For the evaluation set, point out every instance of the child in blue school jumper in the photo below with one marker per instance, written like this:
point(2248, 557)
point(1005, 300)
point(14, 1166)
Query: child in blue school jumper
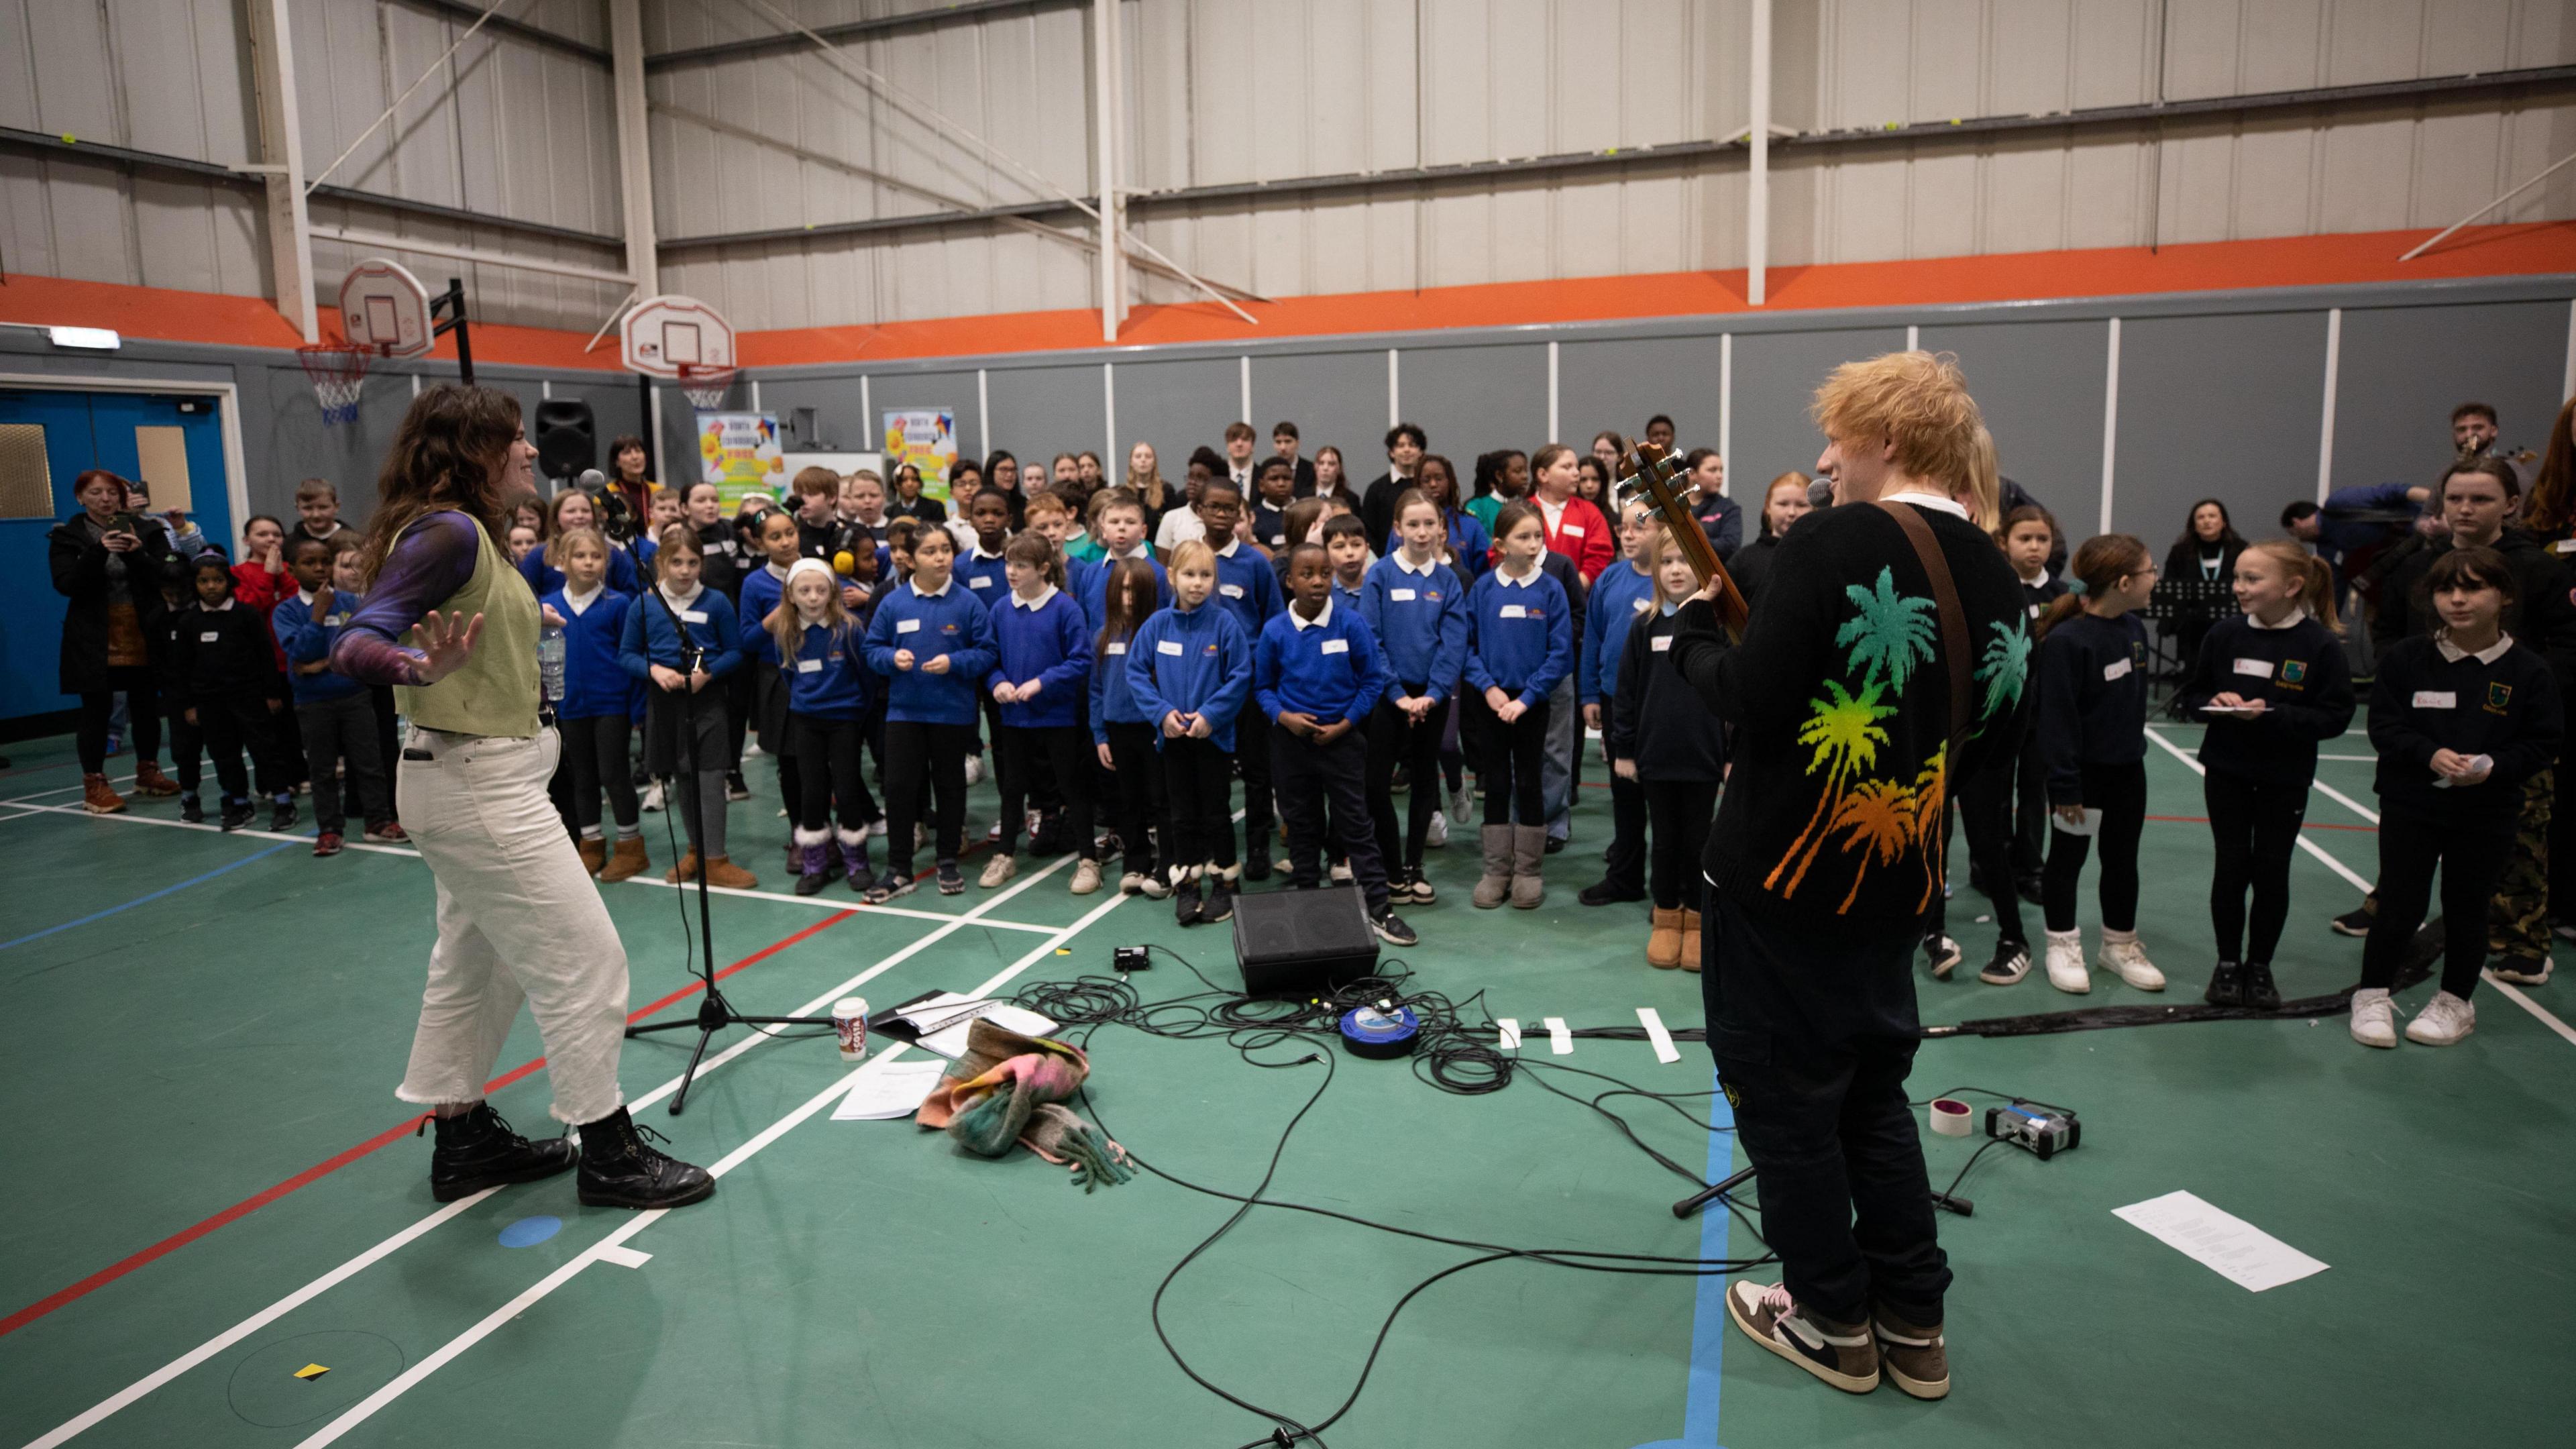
point(1520, 643)
point(1623, 593)
point(333, 711)
point(1120, 531)
point(1041, 673)
point(932, 642)
point(765, 694)
point(1190, 669)
point(684, 713)
point(829, 689)
point(1248, 588)
point(593, 719)
point(1122, 733)
point(1317, 673)
point(1417, 607)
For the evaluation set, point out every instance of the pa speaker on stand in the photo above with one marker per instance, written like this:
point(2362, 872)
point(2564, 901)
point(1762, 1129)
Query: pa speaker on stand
point(567, 439)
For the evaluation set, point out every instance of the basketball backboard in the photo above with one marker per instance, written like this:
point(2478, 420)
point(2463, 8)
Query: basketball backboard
point(675, 336)
point(385, 309)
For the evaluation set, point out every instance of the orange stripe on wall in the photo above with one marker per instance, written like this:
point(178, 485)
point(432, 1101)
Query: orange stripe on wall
point(2351, 258)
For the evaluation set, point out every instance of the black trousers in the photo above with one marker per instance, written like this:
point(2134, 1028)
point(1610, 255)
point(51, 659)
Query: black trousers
point(936, 754)
point(594, 748)
point(233, 724)
point(1625, 865)
point(336, 730)
point(1252, 761)
point(2029, 814)
point(142, 715)
point(1507, 759)
point(1135, 800)
point(769, 719)
point(187, 753)
point(1322, 796)
point(380, 702)
point(1396, 742)
point(1066, 753)
point(2472, 852)
point(1681, 811)
point(1813, 1041)
point(1198, 784)
point(831, 766)
point(2120, 793)
point(2254, 827)
point(1984, 812)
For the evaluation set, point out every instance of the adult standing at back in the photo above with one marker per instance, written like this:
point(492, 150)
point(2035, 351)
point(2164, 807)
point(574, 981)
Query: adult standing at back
point(1405, 445)
point(107, 566)
point(1890, 657)
point(518, 918)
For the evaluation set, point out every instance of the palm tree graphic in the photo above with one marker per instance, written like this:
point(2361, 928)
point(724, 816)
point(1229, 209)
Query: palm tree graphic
point(2004, 667)
point(1931, 792)
point(1890, 635)
point(1845, 735)
point(1878, 817)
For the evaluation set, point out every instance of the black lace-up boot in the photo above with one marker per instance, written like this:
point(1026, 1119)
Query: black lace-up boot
point(619, 1168)
point(477, 1149)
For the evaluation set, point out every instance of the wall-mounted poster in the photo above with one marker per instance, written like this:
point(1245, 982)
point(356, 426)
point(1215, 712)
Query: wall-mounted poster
point(740, 454)
point(927, 439)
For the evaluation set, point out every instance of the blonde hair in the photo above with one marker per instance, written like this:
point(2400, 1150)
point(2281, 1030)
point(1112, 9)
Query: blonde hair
point(563, 543)
point(1918, 401)
point(787, 622)
point(1193, 553)
point(1985, 482)
point(2314, 577)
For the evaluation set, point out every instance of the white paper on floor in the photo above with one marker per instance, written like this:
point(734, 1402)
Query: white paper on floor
point(946, 1019)
point(890, 1090)
point(2220, 1241)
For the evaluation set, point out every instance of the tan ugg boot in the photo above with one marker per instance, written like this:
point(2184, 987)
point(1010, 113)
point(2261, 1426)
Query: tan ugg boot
point(1690, 940)
point(1664, 944)
point(97, 798)
point(1529, 848)
point(721, 871)
point(626, 860)
point(594, 854)
point(148, 779)
point(1495, 886)
point(686, 870)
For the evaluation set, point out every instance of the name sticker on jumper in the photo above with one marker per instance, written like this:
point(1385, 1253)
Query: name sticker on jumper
point(1513, 611)
point(210, 636)
point(2564, 545)
point(2254, 668)
point(907, 626)
point(1572, 530)
point(2437, 699)
point(335, 620)
point(1336, 646)
point(2116, 669)
point(1169, 646)
point(981, 581)
point(1231, 591)
point(1400, 596)
point(1118, 648)
point(1661, 644)
point(809, 666)
point(693, 616)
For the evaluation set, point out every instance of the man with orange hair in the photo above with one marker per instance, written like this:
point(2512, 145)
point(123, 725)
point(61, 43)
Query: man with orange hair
point(1888, 658)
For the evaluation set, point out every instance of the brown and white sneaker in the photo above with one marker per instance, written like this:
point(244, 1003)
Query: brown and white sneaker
point(1842, 1354)
point(1914, 1357)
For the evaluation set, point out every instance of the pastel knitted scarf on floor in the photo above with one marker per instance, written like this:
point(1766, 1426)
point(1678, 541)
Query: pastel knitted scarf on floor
point(1008, 1088)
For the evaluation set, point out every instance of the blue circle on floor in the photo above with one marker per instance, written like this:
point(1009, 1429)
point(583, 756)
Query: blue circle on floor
point(528, 1232)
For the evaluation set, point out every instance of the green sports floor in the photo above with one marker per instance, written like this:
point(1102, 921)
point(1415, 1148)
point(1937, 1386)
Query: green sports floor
point(213, 1189)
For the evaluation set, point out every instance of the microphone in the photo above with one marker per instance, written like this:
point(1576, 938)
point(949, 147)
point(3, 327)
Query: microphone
point(591, 480)
point(1820, 493)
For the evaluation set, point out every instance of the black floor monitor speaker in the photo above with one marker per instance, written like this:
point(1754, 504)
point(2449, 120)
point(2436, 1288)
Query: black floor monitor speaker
point(566, 436)
point(1303, 943)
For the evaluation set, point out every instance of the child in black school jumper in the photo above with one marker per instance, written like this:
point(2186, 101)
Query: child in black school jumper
point(2273, 686)
point(1520, 643)
point(229, 687)
point(1317, 673)
point(684, 714)
point(2460, 719)
point(829, 685)
point(331, 710)
point(1664, 738)
point(1122, 734)
point(2029, 536)
point(593, 719)
point(178, 584)
point(1190, 668)
point(1041, 671)
point(2093, 734)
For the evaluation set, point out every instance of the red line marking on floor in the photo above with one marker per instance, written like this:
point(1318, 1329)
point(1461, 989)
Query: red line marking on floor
point(318, 1171)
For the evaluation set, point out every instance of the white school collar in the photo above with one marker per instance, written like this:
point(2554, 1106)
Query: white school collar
point(941, 592)
point(1231, 544)
point(1033, 605)
point(682, 601)
point(1303, 623)
point(580, 602)
point(1950, 506)
point(1503, 577)
point(1423, 572)
point(2453, 653)
point(2291, 620)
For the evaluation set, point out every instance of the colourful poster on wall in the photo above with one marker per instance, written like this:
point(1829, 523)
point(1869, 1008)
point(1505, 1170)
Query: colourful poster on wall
point(927, 439)
point(740, 453)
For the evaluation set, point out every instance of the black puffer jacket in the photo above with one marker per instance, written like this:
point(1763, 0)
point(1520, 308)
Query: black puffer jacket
point(82, 576)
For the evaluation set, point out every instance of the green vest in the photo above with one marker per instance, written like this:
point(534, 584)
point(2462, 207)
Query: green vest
point(495, 693)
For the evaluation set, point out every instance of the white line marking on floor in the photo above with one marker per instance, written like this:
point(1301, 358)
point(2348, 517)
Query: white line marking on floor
point(2339, 868)
point(245, 834)
point(819, 903)
point(624, 1257)
point(2352, 759)
point(448, 1351)
point(66, 790)
point(2346, 801)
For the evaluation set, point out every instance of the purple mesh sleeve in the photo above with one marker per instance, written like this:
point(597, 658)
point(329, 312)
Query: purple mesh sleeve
point(428, 565)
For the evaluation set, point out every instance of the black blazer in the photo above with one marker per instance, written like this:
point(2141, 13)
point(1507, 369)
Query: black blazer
point(79, 563)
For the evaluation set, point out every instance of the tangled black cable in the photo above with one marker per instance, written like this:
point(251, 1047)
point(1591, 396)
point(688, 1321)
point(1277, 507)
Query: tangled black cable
point(1454, 1055)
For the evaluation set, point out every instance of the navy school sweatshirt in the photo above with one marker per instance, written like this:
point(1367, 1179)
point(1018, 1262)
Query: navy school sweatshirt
point(1047, 641)
point(1656, 718)
point(1520, 635)
point(2505, 705)
point(829, 678)
point(651, 638)
point(2298, 671)
point(2092, 700)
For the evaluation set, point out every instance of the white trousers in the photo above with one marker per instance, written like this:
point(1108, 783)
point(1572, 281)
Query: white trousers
point(519, 921)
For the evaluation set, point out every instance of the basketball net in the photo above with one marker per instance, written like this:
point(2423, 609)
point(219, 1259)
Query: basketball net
point(705, 386)
point(338, 371)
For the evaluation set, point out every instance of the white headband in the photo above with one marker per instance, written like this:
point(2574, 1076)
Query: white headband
point(803, 564)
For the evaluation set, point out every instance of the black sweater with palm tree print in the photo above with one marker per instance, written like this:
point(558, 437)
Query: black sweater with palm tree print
point(1834, 820)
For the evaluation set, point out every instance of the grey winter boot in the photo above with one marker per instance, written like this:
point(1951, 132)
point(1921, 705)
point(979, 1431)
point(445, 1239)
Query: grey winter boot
point(1496, 884)
point(1529, 847)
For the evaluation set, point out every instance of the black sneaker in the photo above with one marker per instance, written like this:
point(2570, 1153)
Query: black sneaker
point(1391, 929)
point(2011, 964)
point(2522, 970)
point(237, 814)
point(191, 809)
point(478, 1149)
point(620, 1169)
point(283, 817)
point(1607, 892)
point(1220, 902)
point(2029, 888)
point(2226, 985)
point(1256, 866)
point(1186, 903)
point(1941, 954)
point(736, 788)
point(2260, 993)
point(2355, 922)
point(1555, 843)
point(889, 885)
point(952, 881)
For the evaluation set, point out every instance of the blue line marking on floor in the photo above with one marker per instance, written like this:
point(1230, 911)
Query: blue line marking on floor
point(1708, 1310)
point(145, 899)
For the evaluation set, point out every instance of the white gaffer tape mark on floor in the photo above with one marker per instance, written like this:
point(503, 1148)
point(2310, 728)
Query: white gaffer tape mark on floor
point(1653, 1022)
point(1560, 1039)
point(1509, 1030)
point(623, 1257)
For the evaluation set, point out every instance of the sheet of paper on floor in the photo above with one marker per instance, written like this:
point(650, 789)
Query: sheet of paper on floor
point(2221, 1241)
point(893, 1089)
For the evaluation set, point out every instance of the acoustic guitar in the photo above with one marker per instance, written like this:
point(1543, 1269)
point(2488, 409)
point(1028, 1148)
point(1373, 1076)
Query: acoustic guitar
point(1651, 475)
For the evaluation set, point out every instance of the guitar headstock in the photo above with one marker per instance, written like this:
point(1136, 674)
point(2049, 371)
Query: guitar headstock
point(1652, 475)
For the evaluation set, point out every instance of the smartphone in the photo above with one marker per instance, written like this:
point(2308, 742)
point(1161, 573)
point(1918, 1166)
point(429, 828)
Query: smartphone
point(126, 523)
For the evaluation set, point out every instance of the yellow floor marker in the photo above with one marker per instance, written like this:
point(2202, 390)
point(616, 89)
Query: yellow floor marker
point(311, 1371)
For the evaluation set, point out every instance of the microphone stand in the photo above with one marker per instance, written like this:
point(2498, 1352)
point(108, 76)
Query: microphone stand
point(714, 1012)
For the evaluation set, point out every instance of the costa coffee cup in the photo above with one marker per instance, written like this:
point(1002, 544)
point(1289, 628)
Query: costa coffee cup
point(850, 1024)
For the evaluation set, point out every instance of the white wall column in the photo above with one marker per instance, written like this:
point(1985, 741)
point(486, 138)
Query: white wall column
point(281, 150)
point(634, 143)
point(1105, 112)
point(1757, 185)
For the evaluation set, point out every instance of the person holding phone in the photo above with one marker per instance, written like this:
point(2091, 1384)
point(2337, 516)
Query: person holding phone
point(107, 564)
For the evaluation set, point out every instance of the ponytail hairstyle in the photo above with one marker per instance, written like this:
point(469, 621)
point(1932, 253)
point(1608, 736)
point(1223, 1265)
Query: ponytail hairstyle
point(1985, 482)
point(1128, 601)
point(1036, 551)
point(2103, 561)
point(786, 623)
point(2313, 575)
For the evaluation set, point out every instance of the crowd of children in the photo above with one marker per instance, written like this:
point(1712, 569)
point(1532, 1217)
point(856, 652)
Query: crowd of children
point(1332, 647)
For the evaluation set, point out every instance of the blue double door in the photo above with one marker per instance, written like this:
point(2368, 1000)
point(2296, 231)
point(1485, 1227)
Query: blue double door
point(81, 431)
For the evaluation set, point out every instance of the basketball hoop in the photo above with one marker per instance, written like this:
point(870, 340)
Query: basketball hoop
point(706, 386)
point(338, 371)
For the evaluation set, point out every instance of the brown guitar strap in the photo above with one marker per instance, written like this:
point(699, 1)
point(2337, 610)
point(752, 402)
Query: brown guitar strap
point(1955, 643)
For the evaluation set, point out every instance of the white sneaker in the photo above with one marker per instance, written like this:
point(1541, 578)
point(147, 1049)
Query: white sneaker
point(1086, 877)
point(2123, 955)
point(1941, 954)
point(1438, 836)
point(1342, 873)
point(974, 769)
point(2066, 969)
point(2373, 1019)
point(1462, 806)
point(1002, 867)
point(1153, 886)
point(2443, 1021)
point(1131, 883)
point(652, 796)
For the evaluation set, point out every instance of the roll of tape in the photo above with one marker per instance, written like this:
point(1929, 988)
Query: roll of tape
point(1951, 1117)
